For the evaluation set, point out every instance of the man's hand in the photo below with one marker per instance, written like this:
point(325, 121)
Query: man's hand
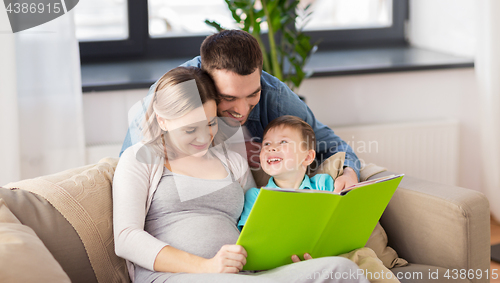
point(295, 258)
point(229, 259)
point(347, 179)
point(253, 153)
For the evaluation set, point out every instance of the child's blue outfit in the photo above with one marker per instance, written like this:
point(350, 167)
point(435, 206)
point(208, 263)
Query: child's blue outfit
point(321, 182)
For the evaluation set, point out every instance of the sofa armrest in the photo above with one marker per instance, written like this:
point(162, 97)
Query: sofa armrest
point(440, 225)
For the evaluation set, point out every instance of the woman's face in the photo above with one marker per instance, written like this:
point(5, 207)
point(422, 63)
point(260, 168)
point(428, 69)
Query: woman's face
point(192, 134)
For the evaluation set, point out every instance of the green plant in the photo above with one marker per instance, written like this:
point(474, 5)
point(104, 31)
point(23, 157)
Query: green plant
point(289, 46)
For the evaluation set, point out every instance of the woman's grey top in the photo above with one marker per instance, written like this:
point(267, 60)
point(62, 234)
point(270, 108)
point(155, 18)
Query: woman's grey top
point(195, 215)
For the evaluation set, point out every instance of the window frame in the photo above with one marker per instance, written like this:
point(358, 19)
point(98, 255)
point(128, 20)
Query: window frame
point(133, 46)
point(140, 45)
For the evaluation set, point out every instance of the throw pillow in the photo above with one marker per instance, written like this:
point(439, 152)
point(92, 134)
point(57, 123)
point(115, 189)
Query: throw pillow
point(54, 230)
point(23, 256)
point(83, 196)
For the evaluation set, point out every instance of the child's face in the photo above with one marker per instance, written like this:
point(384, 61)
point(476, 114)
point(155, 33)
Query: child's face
point(284, 152)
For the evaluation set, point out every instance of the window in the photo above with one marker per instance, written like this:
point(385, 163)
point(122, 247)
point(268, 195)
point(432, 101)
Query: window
point(173, 28)
point(349, 14)
point(98, 20)
point(169, 18)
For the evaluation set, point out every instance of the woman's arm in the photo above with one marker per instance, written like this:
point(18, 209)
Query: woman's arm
point(131, 183)
point(229, 259)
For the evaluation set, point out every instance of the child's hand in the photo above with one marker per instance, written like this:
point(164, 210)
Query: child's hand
point(295, 258)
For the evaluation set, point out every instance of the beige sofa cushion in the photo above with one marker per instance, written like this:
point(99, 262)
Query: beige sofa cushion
point(83, 196)
point(23, 256)
point(54, 230)
point(449, 225)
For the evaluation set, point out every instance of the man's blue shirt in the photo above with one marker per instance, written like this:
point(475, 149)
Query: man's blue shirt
point(276, 100)
point(321, 182)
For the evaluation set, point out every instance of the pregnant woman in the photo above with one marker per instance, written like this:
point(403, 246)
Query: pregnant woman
point(178, 194)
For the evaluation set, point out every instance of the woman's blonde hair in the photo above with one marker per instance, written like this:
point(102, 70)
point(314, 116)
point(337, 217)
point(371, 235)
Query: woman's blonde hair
point(175, 95)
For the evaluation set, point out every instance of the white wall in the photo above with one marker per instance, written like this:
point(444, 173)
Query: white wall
point(105, 115)
point(488, 73)
point(105, 120)
point(444, 25)
point(405, 97)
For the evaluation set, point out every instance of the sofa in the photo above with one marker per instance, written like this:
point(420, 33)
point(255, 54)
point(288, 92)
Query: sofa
point(438, 229)
point(58, 228)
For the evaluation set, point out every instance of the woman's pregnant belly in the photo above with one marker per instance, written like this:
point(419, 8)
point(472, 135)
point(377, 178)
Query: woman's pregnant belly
point(199, 234)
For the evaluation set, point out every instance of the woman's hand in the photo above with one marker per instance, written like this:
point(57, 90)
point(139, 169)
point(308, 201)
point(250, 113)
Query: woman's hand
point(295, 258)
point(229, 259)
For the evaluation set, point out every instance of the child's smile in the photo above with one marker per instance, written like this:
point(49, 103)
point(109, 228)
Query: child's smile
point(274, 160)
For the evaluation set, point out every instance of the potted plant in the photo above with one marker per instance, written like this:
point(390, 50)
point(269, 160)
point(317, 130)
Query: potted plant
point(289, 47)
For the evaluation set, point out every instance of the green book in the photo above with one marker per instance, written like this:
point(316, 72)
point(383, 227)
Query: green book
point(285, 222)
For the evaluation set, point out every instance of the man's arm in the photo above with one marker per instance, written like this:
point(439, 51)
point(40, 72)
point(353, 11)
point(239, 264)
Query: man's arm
point(130, 192)
point(136, 115)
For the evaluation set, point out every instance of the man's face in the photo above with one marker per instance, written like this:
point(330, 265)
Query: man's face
point(239, 94)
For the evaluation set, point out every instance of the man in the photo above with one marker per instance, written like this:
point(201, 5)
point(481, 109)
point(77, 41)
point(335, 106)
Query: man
point(253, 98)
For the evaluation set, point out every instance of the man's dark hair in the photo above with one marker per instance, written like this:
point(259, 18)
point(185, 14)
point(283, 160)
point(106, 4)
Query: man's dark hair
point(296, 123)
point(233, 50)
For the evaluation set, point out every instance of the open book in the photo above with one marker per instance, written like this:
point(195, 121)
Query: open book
point(285, 222)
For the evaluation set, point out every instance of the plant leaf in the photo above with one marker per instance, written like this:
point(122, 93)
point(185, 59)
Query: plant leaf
point(215, 25)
